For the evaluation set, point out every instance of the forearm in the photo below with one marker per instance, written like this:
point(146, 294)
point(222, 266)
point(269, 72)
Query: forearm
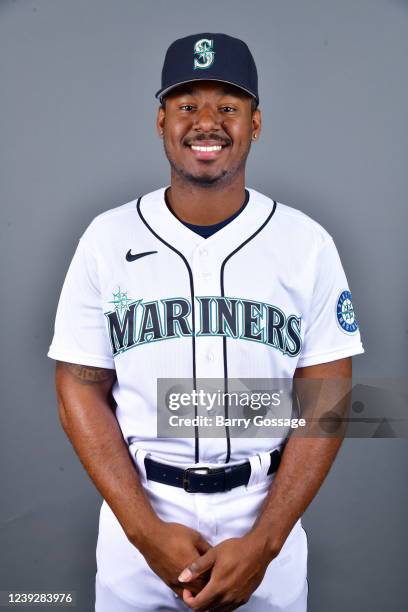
point(304, 466)
point(323, 391)
point(91, 426)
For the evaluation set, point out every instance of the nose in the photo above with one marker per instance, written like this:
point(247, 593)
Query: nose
point(206, 119)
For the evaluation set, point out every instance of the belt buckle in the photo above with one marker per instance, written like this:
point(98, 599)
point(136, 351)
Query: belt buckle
point(193, 470)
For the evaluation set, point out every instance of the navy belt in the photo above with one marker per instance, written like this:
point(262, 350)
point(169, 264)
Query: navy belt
point(203, 479)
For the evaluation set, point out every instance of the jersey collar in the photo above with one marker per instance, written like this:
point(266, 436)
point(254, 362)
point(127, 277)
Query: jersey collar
point(161, 221)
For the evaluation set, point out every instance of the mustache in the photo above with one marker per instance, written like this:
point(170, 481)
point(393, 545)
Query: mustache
point(204, 137)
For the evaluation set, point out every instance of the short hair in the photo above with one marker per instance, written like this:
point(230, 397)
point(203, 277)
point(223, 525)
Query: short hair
point(254, 104)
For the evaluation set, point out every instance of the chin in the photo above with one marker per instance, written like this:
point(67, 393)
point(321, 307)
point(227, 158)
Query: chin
point(204, 180)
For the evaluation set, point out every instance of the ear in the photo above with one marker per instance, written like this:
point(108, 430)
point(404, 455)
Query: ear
point(256, 123)
point(161, 113)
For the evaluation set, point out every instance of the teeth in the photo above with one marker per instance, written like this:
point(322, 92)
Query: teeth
point(214, 148)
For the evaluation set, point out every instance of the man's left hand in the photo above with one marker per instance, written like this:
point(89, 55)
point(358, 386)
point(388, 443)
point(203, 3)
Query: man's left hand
point(237, 567)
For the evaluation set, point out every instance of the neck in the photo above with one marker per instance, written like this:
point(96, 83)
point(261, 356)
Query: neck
point(205, 205)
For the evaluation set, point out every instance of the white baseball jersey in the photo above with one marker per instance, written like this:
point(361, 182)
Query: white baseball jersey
point(152, 299)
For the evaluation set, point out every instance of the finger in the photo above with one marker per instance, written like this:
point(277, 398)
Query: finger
point(203, 546)
point(205, 598)
point(188, 596)
point(198, 566)
point(195, 586)
point(178, 592)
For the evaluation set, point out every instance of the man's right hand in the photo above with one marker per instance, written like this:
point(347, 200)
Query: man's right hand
point(170, 549)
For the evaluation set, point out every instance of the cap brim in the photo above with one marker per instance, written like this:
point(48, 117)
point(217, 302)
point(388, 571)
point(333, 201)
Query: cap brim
point(162, 92)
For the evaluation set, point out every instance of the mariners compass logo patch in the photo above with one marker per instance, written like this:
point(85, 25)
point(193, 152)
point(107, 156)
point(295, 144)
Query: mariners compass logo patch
point(345, 313)
point(203, 53)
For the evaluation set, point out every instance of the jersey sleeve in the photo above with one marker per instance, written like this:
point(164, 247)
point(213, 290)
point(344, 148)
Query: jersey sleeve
point(331, 326)
point(80, 334)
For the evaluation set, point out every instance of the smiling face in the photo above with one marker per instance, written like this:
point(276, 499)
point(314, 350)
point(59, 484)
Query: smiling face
point(207, 129)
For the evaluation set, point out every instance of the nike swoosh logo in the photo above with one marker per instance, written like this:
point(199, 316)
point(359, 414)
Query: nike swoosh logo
point(130, 257)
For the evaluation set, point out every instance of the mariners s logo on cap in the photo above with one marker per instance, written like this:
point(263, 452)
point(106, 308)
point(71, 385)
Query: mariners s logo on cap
point(203, 53)
point(345, 313)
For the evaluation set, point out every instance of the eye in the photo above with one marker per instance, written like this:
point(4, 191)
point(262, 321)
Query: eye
point(186, 107)
point(228, 109)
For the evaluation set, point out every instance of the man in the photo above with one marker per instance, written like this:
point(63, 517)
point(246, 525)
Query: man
point(245, 288)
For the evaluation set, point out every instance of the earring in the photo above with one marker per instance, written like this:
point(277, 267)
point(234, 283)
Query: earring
point(254, 136)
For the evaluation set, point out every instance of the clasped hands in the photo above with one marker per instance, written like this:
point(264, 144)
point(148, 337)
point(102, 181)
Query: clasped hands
point(219, 578)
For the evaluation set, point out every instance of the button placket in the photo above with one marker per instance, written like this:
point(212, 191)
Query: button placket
point(209, 357)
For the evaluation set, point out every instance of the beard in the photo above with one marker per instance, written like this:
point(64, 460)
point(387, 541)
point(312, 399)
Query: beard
point(207, 180)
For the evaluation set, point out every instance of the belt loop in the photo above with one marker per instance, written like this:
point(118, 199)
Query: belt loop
point(265, 460)
point(139, 455)
point(260, 465)
point(255, 470)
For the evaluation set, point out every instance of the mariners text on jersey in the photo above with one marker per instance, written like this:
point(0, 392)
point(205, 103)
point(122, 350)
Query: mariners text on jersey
point(256, 300)
point(134, 323)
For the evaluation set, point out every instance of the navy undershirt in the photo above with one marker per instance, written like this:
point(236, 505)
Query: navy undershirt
point(208, 230)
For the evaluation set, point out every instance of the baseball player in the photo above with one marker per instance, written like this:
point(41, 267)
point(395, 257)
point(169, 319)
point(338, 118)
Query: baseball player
point(204, 279)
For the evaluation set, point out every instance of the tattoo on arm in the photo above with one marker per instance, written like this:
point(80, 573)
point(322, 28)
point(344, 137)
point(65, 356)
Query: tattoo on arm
point(88, 374)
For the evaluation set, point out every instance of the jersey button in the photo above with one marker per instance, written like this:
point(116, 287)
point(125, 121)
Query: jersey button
point(205, 275)
point(203, 252)
point(211, 357)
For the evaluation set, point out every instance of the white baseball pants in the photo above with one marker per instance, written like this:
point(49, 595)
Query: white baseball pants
point(125, 583)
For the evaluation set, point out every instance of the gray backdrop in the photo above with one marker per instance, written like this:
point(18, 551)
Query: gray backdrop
point(77, 137)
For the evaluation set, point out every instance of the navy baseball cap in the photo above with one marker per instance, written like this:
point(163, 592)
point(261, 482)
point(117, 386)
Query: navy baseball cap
point(209, 57)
